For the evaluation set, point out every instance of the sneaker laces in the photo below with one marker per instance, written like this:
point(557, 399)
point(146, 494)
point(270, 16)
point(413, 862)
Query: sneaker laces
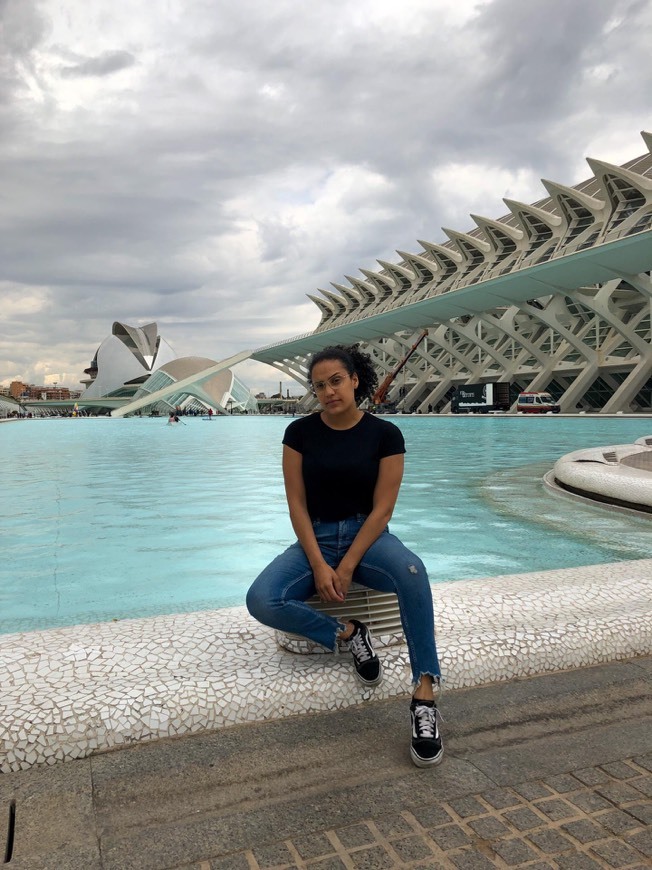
point(359, 648)
point(426, 719)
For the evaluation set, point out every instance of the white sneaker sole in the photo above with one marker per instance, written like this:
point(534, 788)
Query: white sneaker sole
point(370, 682)
point(427, 762)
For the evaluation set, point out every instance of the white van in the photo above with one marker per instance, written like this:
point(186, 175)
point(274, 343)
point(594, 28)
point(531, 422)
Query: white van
point(536, 403)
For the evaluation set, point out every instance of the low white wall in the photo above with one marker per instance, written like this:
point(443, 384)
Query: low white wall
point(70, 692)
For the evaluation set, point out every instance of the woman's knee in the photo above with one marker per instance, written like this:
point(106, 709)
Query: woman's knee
point(407, 563)
point(258, 603)
point(415, 566)
point(394, 556)
point(269, 594)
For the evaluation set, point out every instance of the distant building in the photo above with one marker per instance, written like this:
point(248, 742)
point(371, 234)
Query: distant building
point(52, 393)
point(10, 407)
point(17, 388)
point(135, 362)
point(224, 392)
point(124, 360)
point(551, 296)
point(49, 392)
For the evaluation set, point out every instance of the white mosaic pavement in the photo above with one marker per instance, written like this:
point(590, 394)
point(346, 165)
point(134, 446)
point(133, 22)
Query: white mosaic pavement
point(68, 693)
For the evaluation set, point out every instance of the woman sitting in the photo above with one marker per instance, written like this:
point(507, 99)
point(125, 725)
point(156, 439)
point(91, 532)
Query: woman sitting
point(343, 469)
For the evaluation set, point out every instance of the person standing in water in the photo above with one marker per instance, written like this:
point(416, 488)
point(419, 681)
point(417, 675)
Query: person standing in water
point(342, 469)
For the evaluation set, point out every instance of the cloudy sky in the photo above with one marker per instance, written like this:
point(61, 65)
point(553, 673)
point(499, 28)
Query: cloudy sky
point(205, 163)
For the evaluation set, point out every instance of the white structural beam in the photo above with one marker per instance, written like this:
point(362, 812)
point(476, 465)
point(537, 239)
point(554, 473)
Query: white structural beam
point(631, 254)
point(191, 385)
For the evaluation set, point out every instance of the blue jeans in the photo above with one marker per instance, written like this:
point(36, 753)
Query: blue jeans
point(277, 597)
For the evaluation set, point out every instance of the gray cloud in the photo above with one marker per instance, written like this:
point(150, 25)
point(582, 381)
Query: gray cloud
point(255, 153)
point(23, 27)
point(103, 65)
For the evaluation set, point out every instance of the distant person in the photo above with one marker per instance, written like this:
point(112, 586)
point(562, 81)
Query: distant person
point(173, 418)
point(343, 469)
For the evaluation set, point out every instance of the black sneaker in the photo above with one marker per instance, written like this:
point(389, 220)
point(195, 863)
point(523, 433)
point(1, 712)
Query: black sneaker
point(367, 664)
point(426, 748)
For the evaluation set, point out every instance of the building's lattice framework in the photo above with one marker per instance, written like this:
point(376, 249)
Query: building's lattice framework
point(505, 317)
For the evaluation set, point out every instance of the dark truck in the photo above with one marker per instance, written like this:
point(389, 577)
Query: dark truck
point(480, 398)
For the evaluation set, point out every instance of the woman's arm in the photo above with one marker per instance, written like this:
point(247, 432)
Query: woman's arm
point(390, 475)
point(326, 582)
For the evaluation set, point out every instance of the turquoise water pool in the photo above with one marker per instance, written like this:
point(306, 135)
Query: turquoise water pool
point(106, 519)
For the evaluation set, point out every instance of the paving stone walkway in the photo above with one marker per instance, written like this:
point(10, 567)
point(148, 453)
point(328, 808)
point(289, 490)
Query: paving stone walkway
point(548, 773)
point(595, 817)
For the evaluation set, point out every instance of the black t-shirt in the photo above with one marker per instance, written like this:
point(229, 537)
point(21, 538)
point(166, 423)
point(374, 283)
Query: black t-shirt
point(340, 467)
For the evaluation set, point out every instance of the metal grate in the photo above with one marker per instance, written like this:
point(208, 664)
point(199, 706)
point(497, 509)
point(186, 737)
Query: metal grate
point(378, 610)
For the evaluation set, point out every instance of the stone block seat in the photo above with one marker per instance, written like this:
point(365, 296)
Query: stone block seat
point(378, 610)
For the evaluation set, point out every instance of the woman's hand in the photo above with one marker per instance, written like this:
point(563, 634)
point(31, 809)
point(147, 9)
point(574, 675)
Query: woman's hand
point(327, 583)
point(344, 579)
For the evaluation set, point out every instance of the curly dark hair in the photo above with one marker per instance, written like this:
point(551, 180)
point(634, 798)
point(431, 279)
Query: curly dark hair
point(356, 362)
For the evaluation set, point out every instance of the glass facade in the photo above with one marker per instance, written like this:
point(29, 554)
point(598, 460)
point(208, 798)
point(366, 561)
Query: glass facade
point(236, 397)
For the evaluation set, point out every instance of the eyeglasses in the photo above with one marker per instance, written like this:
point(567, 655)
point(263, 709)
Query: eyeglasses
point(334, 381)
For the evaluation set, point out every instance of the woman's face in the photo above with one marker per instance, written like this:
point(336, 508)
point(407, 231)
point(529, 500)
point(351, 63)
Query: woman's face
point(334, 386)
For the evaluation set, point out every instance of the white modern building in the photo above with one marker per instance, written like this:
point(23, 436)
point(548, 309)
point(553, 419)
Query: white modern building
point(9, 407)
point(222, 392)
point(124, 359)
point(136, 370)
point(554, 295)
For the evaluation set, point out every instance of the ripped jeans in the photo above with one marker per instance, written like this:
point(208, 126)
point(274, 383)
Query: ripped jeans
point(277, 597)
